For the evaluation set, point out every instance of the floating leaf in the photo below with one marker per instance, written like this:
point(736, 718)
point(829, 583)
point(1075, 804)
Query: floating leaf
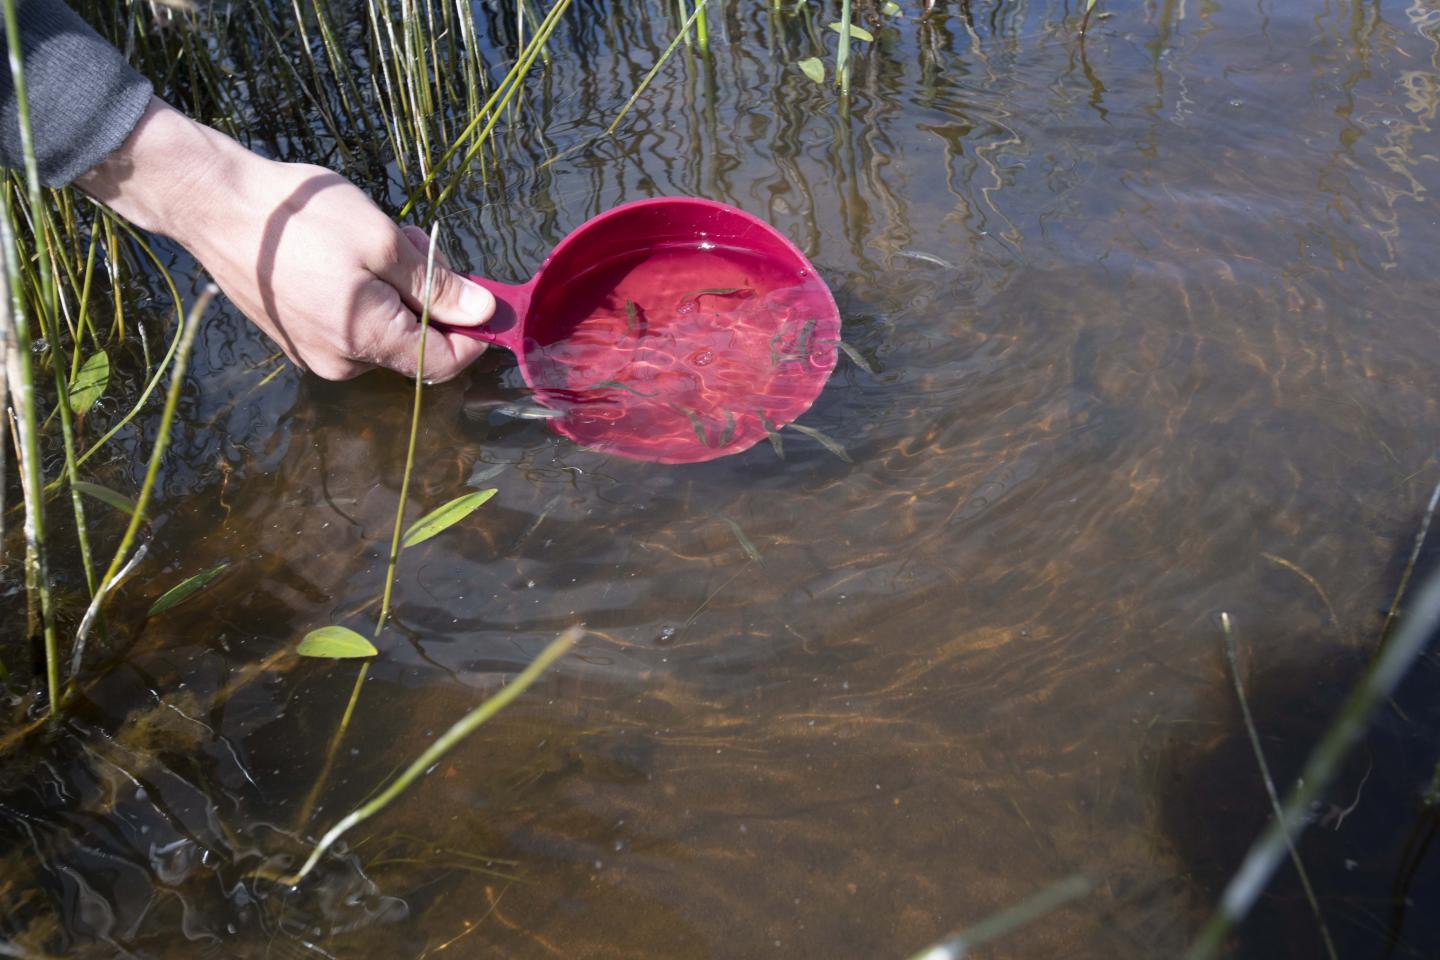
point(825, 440)
point(812, 68)
point(632, 316)
point(335, 643)
point(105, 495)
point(891, 8)
point(859, 33)
point(442, 517)
point(185, 589)
point(89, 383)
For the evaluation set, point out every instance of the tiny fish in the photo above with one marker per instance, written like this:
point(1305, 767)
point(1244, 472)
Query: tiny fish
point(927, 258)
point(525, 412)
point(803, 343)
point(856, 357)
point(729, 433)
point(632, 316)
point(826, 441)
point(715, 292)
point(483, 471)
point(617, 385)
point(745, 543)
point(775, 355)
point(772, 435)
point(699, 427)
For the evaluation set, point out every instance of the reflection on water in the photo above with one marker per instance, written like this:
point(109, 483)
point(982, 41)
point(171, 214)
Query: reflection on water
point(1143, 317)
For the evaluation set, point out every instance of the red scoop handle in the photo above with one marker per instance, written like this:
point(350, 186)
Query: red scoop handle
point(507, 327)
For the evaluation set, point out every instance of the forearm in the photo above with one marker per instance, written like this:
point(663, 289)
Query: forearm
point(170, 174)
point(84, 99)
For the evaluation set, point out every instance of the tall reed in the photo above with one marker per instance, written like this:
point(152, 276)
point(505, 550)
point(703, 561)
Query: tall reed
point(37, 579)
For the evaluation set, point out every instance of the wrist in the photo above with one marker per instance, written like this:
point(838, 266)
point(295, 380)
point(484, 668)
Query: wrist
point(170, 174)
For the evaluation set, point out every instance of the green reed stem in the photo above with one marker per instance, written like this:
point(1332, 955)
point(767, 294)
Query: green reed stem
point(1270, 791)
point(702, 30)
point(175, 341)
point(685, 20)
point(414, 433)
point(842, 54)
point(645, 82)
point(333, 750)
point(1269, 848)
point(162, 432)
point(36, 572)
point(458, 732)
point(1012, 918)
point(493, 109)
point(1410, 565)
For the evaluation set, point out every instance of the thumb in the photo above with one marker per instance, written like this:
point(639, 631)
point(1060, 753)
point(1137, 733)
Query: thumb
point(453, 299)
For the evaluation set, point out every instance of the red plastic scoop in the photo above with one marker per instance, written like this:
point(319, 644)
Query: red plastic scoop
point(674, 330)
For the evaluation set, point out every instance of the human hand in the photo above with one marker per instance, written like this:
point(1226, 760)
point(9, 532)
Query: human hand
point(299, 249)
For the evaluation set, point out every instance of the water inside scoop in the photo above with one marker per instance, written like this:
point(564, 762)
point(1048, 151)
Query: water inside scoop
point(682, 353)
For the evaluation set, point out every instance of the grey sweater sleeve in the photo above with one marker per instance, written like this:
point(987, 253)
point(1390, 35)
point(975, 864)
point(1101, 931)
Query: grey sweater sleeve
point(84, 98)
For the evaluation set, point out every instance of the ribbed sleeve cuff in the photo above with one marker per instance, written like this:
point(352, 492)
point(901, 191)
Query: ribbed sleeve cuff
point(84, 98)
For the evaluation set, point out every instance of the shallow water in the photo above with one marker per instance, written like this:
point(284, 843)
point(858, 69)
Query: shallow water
point(1153, 336)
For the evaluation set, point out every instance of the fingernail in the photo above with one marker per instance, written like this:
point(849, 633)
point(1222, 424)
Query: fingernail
point(476, 302)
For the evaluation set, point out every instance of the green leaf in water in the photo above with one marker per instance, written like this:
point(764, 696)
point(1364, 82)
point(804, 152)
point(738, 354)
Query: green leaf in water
point(441, 518)
point(891, 8)
point(812, 68)
point(825, 440)
point(335, 643)
point(185, 589)
point(105, 495)
point(632, 316)
point(89, 383)
point(859, 33)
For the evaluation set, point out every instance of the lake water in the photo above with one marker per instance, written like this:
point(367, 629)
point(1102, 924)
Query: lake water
point(1153, 331)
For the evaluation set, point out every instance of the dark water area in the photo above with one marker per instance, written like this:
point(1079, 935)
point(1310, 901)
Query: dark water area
point(1153, 335)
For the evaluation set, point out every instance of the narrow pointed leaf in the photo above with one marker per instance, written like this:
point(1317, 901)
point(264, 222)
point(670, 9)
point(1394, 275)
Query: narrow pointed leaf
point(185, 589)
point(335, 643)
point(89, 383)
point(443, 517)
point(859, 33)
point(105, 495)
